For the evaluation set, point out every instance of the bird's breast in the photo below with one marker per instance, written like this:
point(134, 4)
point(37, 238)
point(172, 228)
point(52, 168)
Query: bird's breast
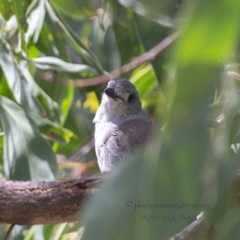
point(104, 131)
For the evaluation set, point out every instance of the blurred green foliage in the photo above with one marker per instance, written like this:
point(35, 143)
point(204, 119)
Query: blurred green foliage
point(191, 89)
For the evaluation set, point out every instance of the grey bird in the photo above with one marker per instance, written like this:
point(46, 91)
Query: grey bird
point(121, 125)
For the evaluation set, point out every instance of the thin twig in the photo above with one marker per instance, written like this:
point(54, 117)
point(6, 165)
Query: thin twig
point(145, 57)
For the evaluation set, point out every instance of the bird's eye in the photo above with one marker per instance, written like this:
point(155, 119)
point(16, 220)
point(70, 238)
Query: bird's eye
point(130, 97)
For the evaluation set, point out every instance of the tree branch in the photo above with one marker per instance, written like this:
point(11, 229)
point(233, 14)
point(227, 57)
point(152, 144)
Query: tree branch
point(28, 203)
point(137, 61)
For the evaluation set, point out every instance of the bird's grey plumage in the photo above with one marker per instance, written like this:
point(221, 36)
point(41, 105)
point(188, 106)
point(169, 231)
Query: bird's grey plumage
point(121, 125)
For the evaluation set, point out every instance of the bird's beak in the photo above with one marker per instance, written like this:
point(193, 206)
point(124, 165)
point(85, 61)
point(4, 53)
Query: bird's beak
point(110, 92)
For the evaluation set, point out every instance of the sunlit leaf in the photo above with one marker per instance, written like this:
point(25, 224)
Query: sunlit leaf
point(35, 19)
point(53, 63)
point(64, 95)
point(145, 81)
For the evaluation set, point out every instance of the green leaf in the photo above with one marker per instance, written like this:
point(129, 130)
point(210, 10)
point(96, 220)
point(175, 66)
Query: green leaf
point(75, 9)
point(64, 95)
point(51, 130)
point(5, 9)
point(53, 63)
point(17, 81)
point(144, 79)
point(45, 43)
point(35, 20)
point(208, 25)
point(19, 9)
point(107, 51)
point(27, 155)
point(24, 89)
point(57, 25)
point(158, 33)
point(125, 23)
point(61, 94)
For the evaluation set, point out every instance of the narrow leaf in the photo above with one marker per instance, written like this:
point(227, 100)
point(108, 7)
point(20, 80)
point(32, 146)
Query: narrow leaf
point(27, 155)
point(53, 63)
point(35, 20)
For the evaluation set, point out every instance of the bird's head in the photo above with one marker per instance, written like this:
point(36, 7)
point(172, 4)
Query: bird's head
point(121, 98)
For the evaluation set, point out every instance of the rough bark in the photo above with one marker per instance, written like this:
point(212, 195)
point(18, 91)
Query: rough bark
point(27, 203)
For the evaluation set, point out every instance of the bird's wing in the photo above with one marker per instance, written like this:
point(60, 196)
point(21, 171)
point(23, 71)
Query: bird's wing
point(135, 133)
